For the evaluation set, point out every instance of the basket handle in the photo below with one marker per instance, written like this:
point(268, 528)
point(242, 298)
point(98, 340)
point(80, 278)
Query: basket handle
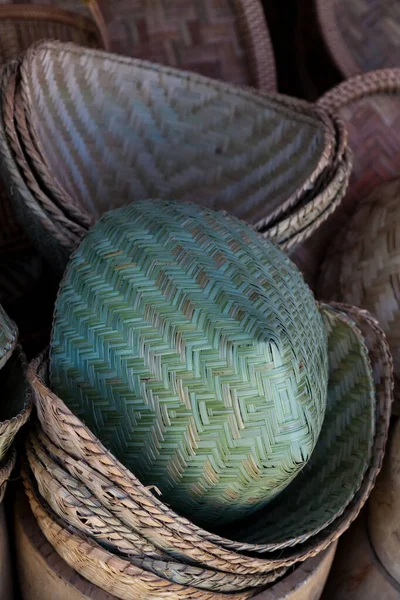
point(102, 17)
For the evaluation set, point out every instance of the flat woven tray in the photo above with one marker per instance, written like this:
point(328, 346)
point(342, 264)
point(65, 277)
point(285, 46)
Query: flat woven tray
point(361, 35)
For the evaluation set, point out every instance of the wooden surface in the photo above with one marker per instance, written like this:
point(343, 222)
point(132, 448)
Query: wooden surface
point(43, 575)
point(6, 588)
point(306, 582)
point(356, 572)
point(384, 510)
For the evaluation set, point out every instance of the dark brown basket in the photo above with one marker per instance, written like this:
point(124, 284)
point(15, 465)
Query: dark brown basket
point(361, 35)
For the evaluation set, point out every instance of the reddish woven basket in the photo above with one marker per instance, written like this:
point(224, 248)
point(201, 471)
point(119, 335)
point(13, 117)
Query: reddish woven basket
point(369, 106)
point(224, 39)
point(361, 35)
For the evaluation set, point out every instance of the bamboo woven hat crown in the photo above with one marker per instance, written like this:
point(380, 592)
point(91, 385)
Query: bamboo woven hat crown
point(196, 352)
point(363, 262)
point(158, 133)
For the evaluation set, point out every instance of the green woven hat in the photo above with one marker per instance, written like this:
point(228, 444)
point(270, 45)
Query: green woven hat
point(196, 353)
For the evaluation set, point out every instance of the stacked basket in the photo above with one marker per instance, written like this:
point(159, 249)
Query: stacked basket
point(113, 529)
point(282, 165)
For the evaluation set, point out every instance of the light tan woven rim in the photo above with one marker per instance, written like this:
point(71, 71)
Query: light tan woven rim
point(380, 82)
point(333, 38)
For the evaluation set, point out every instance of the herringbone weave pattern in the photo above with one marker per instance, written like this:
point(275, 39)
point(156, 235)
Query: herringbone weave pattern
point(189, 139)
point(195, 352)
point(364, 261)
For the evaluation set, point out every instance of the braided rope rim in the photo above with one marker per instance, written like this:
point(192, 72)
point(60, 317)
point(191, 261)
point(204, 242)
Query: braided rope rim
point(112, 573)
point(20, 400)
point(73, 503)
point(382, 81)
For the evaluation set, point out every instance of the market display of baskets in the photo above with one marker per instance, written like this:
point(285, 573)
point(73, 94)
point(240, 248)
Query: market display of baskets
point(195, 423)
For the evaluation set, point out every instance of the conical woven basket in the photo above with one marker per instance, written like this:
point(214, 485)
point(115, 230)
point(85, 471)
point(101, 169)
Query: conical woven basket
point(94, 467)
point(361, 35)
point(275, 151)
point(361, 266)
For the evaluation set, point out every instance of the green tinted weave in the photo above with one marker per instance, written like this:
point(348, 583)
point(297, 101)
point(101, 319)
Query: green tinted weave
point(196, 353)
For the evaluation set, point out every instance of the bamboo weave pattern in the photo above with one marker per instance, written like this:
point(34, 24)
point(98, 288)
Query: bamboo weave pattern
point(202, 371)
point(189, 138)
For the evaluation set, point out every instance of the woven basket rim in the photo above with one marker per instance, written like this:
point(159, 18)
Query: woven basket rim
point(292, 231)
point(66, 536)
point(356, 88)
point(255, 35)
point(202, 536)
point(333, 38)
point(299, 111)
point(45, 13)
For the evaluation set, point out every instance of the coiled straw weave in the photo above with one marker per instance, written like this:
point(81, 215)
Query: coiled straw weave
point(218, 355)
point(117, 490)
point(189, 139)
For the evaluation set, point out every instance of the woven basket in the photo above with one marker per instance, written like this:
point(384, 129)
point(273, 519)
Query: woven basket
point(6, 468)
point(361, 35)
point(257, 174)
point(369, 107)
point(228, 40)
point(362, 267)
point(165, 529)
point(189, 405)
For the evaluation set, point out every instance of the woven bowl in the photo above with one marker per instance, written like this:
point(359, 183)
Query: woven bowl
point(97, 469)
point(6, 468)
point(361, 35)
point(363, 263)
point(275, 153)
point(201, 398)
point(369, 107)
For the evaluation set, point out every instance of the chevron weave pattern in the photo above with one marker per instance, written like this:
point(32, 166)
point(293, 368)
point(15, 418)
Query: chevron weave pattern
point(189, 138)
point(365, 262)
point(8, 336)
point(195, 352)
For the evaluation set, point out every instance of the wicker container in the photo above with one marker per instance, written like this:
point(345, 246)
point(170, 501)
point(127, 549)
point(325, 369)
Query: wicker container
point(283, 150)
point(356, 572)
point(384, 509)
point(362, 265)
point(43, 575)
point(80, 457)
point(361, 35)
point(369, 107)
point(227, 40)
point(6, 582)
